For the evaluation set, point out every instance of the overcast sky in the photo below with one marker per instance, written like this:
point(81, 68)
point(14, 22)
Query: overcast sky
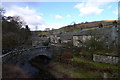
point(58, 14)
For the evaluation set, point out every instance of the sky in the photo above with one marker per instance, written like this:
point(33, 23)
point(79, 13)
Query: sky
point(41, 15)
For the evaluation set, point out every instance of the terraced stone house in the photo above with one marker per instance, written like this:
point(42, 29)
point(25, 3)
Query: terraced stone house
point(108, 35)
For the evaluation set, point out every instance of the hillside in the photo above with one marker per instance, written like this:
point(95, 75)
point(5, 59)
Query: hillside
point(78, 27)
point(86, 25)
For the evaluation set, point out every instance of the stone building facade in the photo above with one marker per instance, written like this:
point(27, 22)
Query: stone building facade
point(66, 37)
point(54, 38)
point(61, 37)
point(37, 41)
point(108, 35)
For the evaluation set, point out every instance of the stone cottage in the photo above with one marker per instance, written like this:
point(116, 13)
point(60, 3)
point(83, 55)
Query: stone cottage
point(61, 37)
point(55, 38)
point(66, 37)
point(108, 35)
point(37, 41)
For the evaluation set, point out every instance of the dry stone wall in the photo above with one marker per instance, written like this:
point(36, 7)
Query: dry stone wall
point(105, 59)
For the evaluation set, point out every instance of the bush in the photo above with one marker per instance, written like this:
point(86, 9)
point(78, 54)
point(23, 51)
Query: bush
point(45, 43)
point(95, 43)
point(9, 41)
point(107, 70)
point(66, 56)
point(28, 42)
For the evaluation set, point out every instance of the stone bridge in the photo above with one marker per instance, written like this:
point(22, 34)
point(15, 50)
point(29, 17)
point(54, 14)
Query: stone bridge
point(24, 55)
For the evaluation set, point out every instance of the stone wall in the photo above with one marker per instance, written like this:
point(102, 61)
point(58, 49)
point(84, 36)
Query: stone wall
point(80, 40)
point(54, 39)
point(108, 35)
point(38, 40)
point(105, 59)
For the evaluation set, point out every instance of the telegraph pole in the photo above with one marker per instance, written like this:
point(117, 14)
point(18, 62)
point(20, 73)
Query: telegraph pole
point(36, 28)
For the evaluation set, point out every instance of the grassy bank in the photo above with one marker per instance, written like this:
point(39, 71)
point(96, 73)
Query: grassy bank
point(80, 68)
point(95, 64)
point(65, 71)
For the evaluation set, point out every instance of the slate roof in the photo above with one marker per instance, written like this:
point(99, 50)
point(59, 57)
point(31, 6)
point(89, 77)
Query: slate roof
point(66, 36)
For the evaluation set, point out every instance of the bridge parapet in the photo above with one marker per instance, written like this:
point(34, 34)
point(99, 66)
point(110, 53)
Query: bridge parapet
point(14, 54)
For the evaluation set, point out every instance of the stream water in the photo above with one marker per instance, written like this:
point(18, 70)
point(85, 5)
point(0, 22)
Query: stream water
point(35, 72)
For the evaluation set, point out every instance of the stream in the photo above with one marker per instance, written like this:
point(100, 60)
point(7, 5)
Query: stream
point(34, 71)
point(22, 63)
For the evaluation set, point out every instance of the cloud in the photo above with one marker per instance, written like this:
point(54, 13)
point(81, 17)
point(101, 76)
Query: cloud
point(54, 0)
point(56, 25)
point(58, 17)
point(88, 9)
point(68, 16)
point(47, 25)
point(30, 16)
point(104, 1)
point(109, 6)
point(116, 12)
point(92, 7)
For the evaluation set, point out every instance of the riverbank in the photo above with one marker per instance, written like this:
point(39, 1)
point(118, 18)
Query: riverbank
point(69, 66)
point(11, 70)
point(43, 70)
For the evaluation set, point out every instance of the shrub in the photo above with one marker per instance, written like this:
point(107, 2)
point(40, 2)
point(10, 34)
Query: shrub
point(95, 43)
point(45, 43)
point(29, 42)
point(107, 69)
point(66, 56)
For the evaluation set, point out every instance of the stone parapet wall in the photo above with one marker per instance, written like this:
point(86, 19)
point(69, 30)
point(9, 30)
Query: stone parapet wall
point(105, 59)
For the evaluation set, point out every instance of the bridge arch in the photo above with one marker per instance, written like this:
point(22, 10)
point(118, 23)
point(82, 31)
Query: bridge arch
point(41, 59)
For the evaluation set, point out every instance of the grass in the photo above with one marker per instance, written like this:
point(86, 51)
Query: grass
point(78, 29)
point(108, 26)
point(72, 73)
point(88, 70)
point(42, 33)
point(96, 64)
point(104, 53)
point(90, 28)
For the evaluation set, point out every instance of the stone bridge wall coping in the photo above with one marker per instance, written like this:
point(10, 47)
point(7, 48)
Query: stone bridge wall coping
point(106, 59)
point(8, 55)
